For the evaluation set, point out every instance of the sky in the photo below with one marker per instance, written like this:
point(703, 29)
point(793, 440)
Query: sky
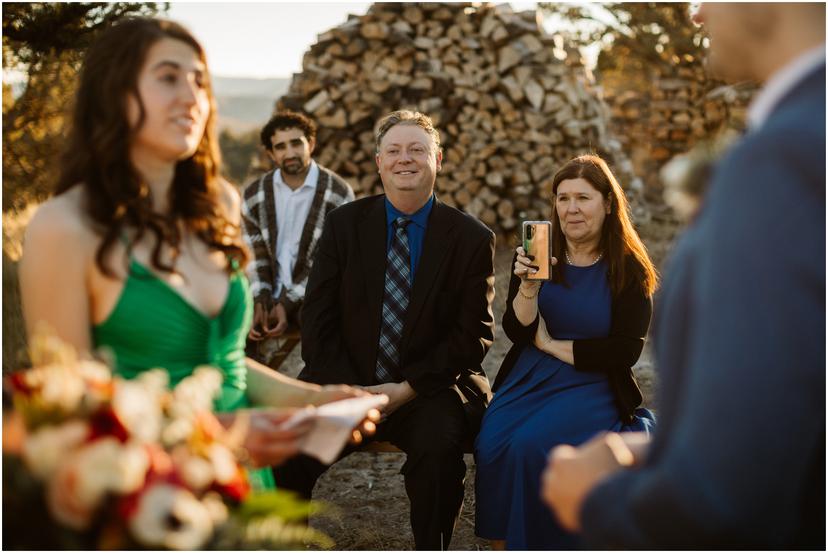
point(261, 40)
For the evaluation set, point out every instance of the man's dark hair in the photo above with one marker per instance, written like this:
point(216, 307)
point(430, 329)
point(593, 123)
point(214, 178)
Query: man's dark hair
point(288, 120)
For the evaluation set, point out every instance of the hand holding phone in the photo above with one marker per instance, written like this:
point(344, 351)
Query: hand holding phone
point(537, 244)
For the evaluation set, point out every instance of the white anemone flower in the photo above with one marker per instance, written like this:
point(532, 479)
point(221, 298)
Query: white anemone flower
point(171, 517)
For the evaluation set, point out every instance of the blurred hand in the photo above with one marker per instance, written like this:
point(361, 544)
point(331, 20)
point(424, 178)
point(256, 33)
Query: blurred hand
point(276, 322)
point(265, 442)
point(525, 266)
point(256, 333)
point(367, 427)
point(337, 392)
point(572, 473)
point(399, 393)
point(638, 443)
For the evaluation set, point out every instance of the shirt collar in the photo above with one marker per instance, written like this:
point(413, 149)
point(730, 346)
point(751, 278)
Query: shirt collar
point(782, 82)
point(419, 217)
point(310, 180)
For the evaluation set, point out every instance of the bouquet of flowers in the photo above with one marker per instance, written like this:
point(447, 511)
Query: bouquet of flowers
point(95, 461)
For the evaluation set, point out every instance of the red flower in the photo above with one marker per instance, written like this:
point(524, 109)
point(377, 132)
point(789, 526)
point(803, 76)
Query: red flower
point(17, 381)
point(236, 490)
point(161, 470)
point(106, 423)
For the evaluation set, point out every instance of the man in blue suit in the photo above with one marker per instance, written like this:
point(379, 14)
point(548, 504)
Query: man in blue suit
point(738, 459)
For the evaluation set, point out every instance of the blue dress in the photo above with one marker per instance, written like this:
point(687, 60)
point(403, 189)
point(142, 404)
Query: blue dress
point(542, 403)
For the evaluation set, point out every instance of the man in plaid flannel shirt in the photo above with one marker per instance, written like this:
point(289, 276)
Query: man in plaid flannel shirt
point(283, 212)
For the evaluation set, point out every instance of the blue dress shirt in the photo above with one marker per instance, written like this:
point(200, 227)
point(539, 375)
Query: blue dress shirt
point(416, 230)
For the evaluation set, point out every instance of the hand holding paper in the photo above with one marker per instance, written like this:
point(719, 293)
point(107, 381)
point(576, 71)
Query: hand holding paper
point(333, 424)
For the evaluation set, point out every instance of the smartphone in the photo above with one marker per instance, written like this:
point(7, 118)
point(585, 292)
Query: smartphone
point(537, 243)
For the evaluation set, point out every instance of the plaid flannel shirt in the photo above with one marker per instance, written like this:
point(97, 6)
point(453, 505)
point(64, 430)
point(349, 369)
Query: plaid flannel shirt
point(261, 229)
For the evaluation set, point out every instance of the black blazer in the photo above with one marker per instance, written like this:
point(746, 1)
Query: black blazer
point(615, 354)
point(449, 325)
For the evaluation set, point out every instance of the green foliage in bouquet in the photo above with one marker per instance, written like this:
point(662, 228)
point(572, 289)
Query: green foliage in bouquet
point(96, 462)
point(271, 520)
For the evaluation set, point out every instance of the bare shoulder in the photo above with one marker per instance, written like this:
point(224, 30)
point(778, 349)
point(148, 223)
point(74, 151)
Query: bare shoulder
point(230, 200)
point(62, 219)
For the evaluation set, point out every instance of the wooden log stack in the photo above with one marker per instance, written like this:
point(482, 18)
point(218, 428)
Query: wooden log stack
point(678, 106)
point(511, 104)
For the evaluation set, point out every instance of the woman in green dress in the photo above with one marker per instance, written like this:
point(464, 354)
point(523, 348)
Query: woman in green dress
point(139, 255)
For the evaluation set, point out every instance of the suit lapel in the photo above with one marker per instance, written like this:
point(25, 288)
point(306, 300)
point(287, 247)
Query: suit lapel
point(435, 246)
point(371, 233)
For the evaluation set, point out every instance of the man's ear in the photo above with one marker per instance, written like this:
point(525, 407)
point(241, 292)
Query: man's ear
point(439, 159)
point(377, 159)
point(311, 145)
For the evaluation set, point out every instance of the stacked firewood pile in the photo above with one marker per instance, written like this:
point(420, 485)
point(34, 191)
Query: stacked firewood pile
point(681, 107)
point(510, 101)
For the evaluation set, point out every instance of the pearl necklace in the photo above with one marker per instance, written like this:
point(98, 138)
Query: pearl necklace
point(569, 261)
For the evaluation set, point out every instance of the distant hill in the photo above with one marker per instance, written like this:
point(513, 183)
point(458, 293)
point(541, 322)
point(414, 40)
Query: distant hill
point(245, 104)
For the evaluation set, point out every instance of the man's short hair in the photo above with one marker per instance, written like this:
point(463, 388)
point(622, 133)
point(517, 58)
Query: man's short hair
point(284, 120)
point(406, 117)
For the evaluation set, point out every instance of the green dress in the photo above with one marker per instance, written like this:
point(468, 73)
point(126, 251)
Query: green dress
point(152, 325)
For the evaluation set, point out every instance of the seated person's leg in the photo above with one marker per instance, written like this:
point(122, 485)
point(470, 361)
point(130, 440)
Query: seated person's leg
point(272, 351)
point(299, 474)
point(294, 314)
point(431, 431)
point(253, 351)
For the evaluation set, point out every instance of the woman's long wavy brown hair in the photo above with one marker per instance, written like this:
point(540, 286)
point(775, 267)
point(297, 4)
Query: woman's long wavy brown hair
point(97, 155)
point(618, 236)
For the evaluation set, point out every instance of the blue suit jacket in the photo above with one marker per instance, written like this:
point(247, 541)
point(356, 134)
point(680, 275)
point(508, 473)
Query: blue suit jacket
point(739, 455)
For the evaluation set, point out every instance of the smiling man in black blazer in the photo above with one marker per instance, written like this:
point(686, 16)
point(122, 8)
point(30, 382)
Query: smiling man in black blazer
point(399, 301)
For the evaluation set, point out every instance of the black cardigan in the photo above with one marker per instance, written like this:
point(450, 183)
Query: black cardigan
point(615, 354)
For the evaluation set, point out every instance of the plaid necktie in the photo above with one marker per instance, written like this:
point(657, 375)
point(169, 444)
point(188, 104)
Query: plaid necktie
point(394, 303)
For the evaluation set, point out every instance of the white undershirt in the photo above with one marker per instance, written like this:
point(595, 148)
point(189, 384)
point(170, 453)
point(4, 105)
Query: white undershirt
point(292, 208)
point(782, 82)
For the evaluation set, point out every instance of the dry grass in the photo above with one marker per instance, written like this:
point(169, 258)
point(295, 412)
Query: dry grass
point(372, 507)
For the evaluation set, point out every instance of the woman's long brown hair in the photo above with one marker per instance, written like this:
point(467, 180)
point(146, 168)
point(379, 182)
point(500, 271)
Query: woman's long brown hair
point(97, 155)
point(618, 236)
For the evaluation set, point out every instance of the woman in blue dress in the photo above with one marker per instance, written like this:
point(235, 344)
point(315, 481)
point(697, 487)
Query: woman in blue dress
point(569, 374)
